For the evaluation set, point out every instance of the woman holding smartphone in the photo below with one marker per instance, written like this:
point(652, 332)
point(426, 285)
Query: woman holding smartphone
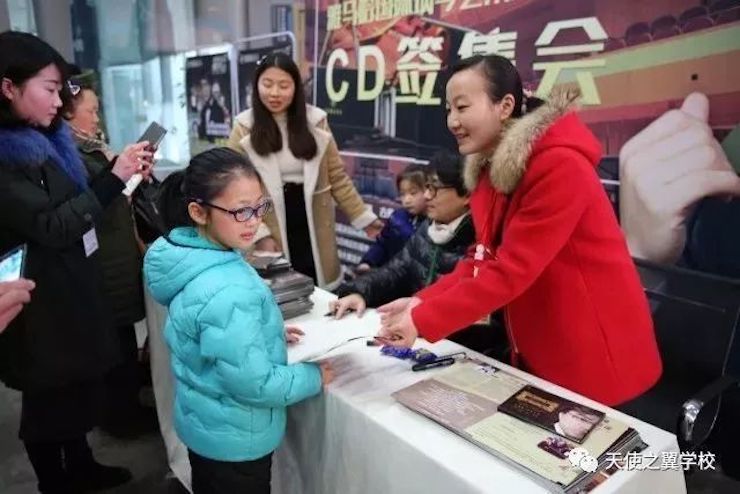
point(121, 261)
point(57, 350)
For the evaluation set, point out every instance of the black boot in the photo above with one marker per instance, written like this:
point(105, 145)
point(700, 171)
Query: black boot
point(48, 464)
point(86, 474)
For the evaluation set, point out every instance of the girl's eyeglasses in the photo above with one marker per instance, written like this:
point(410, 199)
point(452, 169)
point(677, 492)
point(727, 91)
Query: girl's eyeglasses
point(244, 214)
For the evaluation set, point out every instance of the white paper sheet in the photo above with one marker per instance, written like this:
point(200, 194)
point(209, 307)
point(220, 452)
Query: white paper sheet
point(327, 333)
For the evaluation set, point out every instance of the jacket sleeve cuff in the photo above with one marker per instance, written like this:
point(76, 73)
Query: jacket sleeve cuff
point(427, 322)
point(106, 187)
point(374, 255)
point(364, 219)
point(313, 382)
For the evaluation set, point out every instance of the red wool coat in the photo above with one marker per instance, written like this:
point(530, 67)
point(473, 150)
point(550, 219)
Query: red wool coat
point(556, 262)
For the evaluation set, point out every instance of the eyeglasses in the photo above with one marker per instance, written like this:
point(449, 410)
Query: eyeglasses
point(432, 188)
point(244, 214)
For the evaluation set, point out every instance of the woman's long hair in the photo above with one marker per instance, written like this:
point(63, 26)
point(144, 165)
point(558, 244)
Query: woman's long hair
point(265, 134)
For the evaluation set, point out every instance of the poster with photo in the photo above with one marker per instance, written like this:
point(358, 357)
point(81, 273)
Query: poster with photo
point(208, 80)
point(380, 75)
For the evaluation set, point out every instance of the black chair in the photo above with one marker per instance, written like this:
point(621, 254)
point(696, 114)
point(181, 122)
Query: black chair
point(608, 169)
point(693, 13)
point(613, 44)
point(696, 319)
point(637, 34)
point(664, 27)
point(720, 5)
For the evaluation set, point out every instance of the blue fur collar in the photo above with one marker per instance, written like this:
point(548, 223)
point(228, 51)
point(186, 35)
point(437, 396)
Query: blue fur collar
point(28, 147)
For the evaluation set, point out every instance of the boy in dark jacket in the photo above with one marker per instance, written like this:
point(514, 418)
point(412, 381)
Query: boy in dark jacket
point(403, 222)
point(439, 242)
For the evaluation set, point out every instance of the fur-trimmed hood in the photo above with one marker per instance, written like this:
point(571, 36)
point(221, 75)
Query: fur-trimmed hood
point(28, 147)
point(531, 134)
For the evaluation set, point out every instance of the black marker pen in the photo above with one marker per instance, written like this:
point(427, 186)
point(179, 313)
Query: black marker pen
point(442, 362)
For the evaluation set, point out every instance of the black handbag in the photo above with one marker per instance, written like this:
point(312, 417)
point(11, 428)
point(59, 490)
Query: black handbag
point(149, 223)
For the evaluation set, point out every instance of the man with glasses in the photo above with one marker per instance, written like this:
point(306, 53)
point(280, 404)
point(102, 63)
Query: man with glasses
point(439, 242)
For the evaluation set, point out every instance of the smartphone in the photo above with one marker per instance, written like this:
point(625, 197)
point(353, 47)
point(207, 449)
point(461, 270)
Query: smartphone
point(154, 134)
point(12, 264)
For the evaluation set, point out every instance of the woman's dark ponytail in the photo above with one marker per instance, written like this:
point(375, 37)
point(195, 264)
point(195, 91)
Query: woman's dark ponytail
point(172, 204)
point(531, 103)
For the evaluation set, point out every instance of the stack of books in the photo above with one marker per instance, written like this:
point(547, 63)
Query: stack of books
point(291, 289)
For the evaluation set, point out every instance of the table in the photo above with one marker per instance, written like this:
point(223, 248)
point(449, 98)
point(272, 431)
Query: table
point(356, 438)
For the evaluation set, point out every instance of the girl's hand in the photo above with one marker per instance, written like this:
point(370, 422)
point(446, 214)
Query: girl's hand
point(293, 334)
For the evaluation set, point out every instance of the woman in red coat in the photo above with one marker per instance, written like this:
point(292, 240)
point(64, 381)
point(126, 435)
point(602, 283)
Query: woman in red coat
point(549, 250)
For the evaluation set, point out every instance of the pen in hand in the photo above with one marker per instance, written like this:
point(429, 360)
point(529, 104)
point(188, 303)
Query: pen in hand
point(333, 313)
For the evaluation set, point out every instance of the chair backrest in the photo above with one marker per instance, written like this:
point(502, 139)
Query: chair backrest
point(664, 22)
point(693, 13)
point(719, 5)
point(727, 16)
point(637, 29)
point(696, 318)
point(696, 24)
point(614, 44)
point(664, 27)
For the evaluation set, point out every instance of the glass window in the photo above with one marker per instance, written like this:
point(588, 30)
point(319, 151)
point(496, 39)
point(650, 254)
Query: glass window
point(22, 17)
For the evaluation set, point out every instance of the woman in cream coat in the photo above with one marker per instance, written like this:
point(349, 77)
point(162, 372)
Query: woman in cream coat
point(294, 151)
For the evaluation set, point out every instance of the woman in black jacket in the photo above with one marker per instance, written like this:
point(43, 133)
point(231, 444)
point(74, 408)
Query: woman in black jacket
point(57, 350)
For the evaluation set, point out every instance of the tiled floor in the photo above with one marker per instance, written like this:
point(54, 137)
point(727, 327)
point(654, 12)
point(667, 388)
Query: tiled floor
point(144, 456)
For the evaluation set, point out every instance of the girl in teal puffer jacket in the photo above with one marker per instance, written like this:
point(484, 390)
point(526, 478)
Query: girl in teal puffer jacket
point(224, 330)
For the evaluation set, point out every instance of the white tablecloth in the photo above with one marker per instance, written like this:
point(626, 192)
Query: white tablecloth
point(356, 438)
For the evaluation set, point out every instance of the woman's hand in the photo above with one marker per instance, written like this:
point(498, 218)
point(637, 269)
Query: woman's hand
point(13, 295)
point(373, 229)
point(397, 326)
point(267, 244)
point(342, 306)
point(397, 306)
point(132, 161)
point(363, 268)
point(147, 165)
point(665, 170)
point(399, 329)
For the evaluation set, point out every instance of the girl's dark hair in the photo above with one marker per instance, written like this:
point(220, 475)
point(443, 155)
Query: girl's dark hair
point(22, 56)
point(503, 79)
point(265, 134)
point(204, 179)
point(416, 174)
